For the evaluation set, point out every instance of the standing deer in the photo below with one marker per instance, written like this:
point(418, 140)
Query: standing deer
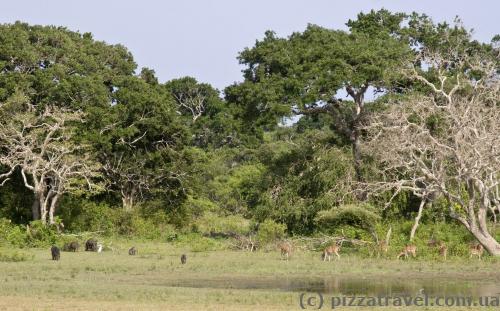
point(408, 249)
point(286, 250)
point(476, 250)
point(329, 250)
point(443, 250)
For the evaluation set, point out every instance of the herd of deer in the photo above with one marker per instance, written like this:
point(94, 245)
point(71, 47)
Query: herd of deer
point(383, 247)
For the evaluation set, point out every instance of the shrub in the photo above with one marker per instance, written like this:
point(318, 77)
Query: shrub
point(197, 243)
point(362, 216)
point(270, 231)
point(12, 234)
point(211, 222)
point(40, 235)
point(15, 256)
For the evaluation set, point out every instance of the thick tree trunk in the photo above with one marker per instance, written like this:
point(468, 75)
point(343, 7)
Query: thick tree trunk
point(356, 153)
point(128, 203)
point(35, 208)
point(417, 219)
point(482, 233)
point(489, 243)
point(52, 210)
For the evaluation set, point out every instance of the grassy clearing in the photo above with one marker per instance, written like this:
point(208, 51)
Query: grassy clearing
point(113, 280)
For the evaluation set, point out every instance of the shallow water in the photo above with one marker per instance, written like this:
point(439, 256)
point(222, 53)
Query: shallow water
point(348, 286)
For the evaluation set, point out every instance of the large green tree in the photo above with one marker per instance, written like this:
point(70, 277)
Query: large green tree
point(308, 72)
point(57, 70)
point(140, 145)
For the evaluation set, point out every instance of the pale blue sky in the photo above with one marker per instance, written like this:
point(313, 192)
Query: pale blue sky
point(202, 38)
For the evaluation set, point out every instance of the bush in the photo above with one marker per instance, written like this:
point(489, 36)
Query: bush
point(270, 231)
point(197, 243)
point(362, 216)
point(12, 234)
point(15, 256)
point(211, 222)
point(82, 215)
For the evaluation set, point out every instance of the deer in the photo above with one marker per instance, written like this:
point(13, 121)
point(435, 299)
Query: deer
point(408, 249)
point(329, 250)
point(476, 250)
point(443, 250)
point(286, 250)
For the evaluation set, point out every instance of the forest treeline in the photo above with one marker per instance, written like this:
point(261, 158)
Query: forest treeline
point(394, 120)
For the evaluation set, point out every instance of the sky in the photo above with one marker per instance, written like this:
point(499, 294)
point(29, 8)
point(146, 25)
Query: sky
point(202, 38)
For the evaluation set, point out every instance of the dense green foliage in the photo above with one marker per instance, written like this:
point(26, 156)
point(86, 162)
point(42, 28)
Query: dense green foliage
point(277, 155)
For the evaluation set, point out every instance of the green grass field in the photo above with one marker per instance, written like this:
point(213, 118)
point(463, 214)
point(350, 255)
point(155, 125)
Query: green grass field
point(156, 280)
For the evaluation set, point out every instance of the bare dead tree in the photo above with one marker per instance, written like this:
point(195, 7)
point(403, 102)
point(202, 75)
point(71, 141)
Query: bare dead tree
point(122, 174)
point(41, 146)
point(194, 101)
point(447, 141)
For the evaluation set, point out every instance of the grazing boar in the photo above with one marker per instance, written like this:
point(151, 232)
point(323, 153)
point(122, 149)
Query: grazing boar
point(56, 254)
point(91, 245)
point(71, 247)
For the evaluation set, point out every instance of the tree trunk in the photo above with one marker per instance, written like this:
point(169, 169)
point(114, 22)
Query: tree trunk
point(53, 205)
point(35, 208)
point(128, 202)
point(417, 219)
point(482, 233)
point(488, 242)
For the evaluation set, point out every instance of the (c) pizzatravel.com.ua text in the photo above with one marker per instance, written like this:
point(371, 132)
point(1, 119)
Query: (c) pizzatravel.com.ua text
point(318, 301)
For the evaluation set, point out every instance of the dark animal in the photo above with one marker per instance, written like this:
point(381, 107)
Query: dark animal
point(91, 245)
point(56, 254)
point(132, 251)
point(183, 259)
point(71, 247)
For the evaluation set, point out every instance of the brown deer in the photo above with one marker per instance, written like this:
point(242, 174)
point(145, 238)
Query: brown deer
point(408, 249)
point(329, 250)
point(476, 250)
point(286, 250)
point(443, 250)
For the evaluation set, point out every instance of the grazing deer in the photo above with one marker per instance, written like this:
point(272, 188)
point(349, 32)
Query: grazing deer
point(329, 250)
point(443, 250)
point(408, 249)
point(286, 250)
point(132, 251)
point(56, 254)
point(183, 259)
point(476, 249)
